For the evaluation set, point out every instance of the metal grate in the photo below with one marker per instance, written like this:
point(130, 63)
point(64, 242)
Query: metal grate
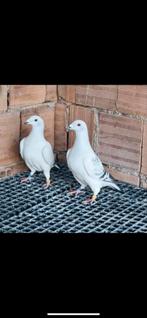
point(29, 208)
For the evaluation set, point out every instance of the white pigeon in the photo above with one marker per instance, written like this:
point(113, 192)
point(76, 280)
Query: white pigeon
point(36, 151)
point(85, 165)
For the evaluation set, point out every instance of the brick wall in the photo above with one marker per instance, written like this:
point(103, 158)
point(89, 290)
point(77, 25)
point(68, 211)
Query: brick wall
point(17, 103)
point(116, 116)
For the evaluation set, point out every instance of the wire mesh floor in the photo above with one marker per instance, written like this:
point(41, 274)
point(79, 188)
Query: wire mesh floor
point(30, 208)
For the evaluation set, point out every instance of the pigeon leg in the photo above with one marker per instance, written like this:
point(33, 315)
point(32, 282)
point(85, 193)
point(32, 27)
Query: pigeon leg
point(90, 200)
point(27, 179)
point(93, 199)
point(76, 192)
point(47, 184)
point(48, 181)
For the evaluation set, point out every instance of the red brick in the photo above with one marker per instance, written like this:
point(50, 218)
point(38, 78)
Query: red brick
point(132, 99)
point(12, 169)
point(62, 156)
point(144, 151)
point(123, 176)
point(120, 141)
point(82, 113)
point(51, 93)
point(3, 97)
point(47, 113)
point(101, 96)
point(143, 183)
point(61, 121)
point(67, 92)
point(9, 132)
point(25, 95)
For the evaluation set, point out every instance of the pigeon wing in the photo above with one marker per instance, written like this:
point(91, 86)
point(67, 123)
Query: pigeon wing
point(93, 167)
point(67, 154)
point(48, 154)
point(22, 147)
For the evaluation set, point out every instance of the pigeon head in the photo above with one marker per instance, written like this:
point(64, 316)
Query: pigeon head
point(77, 126)
point(35, 121)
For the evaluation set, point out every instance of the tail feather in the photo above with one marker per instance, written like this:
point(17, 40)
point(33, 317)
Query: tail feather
point(108, 182)
point(55, 161)
point(111, 184)
point(55, 165)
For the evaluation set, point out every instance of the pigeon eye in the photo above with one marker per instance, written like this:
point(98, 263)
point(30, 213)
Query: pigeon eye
point(78, 124)
point(36, 119)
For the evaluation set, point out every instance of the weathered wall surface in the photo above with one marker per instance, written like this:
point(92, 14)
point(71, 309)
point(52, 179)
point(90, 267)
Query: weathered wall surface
point(17, 103)
point(116, 116)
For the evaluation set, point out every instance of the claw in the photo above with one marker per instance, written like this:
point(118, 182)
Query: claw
point(75, 192)
point(24, 180)
point(47, 184)
point(90, 200)
point(79, 192)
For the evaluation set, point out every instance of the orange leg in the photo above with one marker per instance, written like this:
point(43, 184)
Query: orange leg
point(25, 180)
point(90, 200)
point(75, 192)
point(47, 184)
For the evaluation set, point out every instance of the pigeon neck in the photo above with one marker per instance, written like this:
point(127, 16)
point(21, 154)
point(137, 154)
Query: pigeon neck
point(37, 132)
point(82, 140)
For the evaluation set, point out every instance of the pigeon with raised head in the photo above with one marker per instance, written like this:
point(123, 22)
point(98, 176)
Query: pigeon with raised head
point(85, 165)
point(36, 151)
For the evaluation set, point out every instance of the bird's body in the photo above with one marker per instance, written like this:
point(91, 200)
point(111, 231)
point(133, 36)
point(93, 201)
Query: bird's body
point(36, 159)
point(36, 151)
point(85, 165)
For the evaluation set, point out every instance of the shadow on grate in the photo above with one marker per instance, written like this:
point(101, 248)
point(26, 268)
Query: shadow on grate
point(29, 208)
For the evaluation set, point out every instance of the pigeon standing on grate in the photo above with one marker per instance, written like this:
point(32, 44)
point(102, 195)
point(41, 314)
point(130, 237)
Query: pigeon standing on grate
point(85, 165)
point(36, 151)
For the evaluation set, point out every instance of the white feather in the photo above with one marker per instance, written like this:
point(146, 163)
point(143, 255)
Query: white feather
point(85, 165)
point(36, 150)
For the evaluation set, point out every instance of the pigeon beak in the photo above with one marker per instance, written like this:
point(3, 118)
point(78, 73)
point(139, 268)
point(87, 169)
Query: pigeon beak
point(26, 122)
point(68, 128)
